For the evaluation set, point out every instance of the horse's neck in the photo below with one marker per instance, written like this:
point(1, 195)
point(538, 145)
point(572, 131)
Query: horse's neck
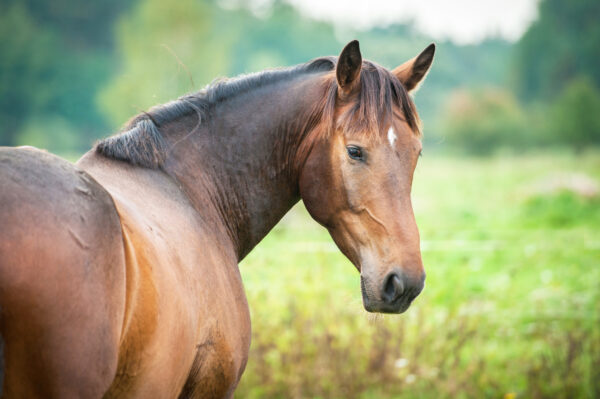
point(242, 165)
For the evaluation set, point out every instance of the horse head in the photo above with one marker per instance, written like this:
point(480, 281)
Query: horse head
point(356, 180)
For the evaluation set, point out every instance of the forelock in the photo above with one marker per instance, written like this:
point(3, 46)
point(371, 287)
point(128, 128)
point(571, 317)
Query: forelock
point(374, 106)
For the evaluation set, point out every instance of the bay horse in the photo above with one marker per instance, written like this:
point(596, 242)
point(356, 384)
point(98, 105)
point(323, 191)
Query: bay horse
point(119, 274)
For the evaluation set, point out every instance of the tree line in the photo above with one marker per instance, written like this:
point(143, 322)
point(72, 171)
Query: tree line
point(71, 72)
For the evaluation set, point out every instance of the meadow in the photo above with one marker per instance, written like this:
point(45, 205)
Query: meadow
point(511, 308)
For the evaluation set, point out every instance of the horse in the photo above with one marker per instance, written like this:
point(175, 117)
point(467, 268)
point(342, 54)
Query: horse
point(119, 273)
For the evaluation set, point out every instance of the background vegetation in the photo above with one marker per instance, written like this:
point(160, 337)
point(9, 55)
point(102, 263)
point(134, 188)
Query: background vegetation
point(511, 306)
point(71, 74)
point(506, 196)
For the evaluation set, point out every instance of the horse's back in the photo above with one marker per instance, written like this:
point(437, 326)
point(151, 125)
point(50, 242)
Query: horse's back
point(61, 278)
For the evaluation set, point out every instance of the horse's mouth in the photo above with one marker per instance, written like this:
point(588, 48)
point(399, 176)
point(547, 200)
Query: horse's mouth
point(396, 305)
point(372, 306)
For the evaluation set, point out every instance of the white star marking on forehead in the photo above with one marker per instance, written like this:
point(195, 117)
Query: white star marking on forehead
point(392, 136)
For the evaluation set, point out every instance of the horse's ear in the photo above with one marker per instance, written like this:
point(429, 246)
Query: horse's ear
point(348, 68)
point(412, 72)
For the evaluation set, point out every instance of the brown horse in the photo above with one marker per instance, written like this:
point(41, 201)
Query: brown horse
point(119, 275)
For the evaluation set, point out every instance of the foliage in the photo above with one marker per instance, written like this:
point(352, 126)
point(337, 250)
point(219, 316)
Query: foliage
point(49, 73)
point(158, 44)
point(95, 80)
point(555, 70)
point(282, 37)
point(170, 49)
point(510, 309)
point(27, 59)
point(575, 114)
point(562, 44)
point(164, 54)
point(484, 121)
point(53, 134)
point(66, 64)
point(81, 25)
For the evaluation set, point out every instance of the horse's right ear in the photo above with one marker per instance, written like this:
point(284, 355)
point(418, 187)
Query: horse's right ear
point(412, 72)
point(348, 67)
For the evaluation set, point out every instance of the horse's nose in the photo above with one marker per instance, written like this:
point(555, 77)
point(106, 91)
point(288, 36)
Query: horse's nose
point(393, 287)
point(399, 290)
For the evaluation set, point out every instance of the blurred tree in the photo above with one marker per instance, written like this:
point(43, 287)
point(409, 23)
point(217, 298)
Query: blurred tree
point(63, 84)
point(166, 49)
point(50, 69)
point(27, 67)
point(81, 25)
point(560, 45)
point(575, 115)
point(281, 37)
point(484, 121)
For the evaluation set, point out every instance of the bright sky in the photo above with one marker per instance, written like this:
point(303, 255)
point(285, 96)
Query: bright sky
point(463, 21)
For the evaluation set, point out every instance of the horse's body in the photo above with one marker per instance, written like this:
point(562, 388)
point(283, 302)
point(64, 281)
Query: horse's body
point(119, 275)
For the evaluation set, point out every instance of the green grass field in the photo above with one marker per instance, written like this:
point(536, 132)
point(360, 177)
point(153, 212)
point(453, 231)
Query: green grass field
point(511, 307)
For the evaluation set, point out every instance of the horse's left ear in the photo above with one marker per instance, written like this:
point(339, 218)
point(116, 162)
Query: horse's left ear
point(412, 72)
point(348, 67)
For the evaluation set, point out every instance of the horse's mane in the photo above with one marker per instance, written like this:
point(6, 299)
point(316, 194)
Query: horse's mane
point(141, 143)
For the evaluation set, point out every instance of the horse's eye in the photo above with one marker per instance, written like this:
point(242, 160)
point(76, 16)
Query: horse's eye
point(355, 152)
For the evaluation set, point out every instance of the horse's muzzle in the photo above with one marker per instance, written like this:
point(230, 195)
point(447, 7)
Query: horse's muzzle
point(394, 295)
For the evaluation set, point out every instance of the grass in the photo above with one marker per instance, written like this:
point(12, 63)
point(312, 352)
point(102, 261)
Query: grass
point(511, 308)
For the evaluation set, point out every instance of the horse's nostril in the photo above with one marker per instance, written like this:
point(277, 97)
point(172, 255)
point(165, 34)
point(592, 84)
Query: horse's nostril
point(392, 288)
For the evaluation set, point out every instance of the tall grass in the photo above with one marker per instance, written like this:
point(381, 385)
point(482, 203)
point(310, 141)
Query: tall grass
point(511, 307)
